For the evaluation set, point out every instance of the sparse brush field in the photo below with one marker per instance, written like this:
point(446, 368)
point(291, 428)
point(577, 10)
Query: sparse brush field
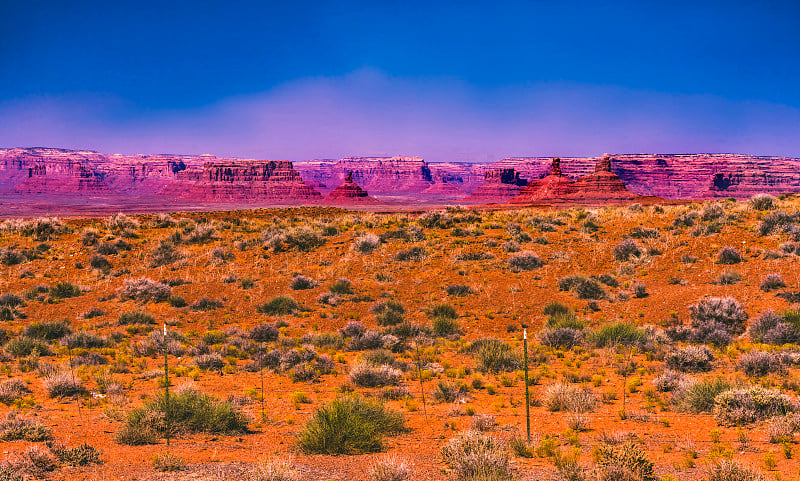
point(326, 344)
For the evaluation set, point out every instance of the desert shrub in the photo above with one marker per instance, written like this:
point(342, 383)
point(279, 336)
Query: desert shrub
point(153, 345)
point(135, 317)
point(118, 223)
point(627, 461)
point(106, 249)
point(772, 328)
point(568, 283)
point(494, 355)
point(206, 304)
point(569, 398)
point(413, 254)
point(445, 326)
point(198, 234)
point(388, 313)
point(561, 337)
point(278, 305)
point(685, 219)
point(644, 233)
point(145, 290)
point(473, 255)
point(639, 290)
point(14, 428)
point(81, 455)
point(390, 468)
point(668, 381)
point(341, 287)
point(524, 261)
point(442, 310)
point(11, 257)
point(698, 396)
point(772, 282)
point(274, 469)
point(431, 219)
point(165, 254)
point(12, 389)
point(777, 222)
point(10, 300)
point(475, 456)
point(589, 288)
point(84, 340)
point(48, 330)
point(65, 290)
point(63, 384)
point(627, 249)
point(511, 246)
point(760, 363)
point(729, 470)
point(729, 255)
point(458, 290)
point(212, 361)
point(22, 346)
point(349, 425)
point(367, 375)
point(750, 404)
point(300, 282)
point(763, 202)
point(728, 278)
point(378, 357)
point(690, 359)
point(366, 243)
point(98, 261)
point(447, 392)
point(617, 333)
point(264, 332)
point(715, 319)
point(190, 410)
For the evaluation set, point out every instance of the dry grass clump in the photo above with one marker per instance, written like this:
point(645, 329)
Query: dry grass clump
point(12, 389)
point(274, 469)
point(14, 428)
point(391, 468)
point(366, 243)
point(729, 470)
point(145, 290)
point(524, 261)
point(475, 456)
point(366, 375)
point(627, 461)
point(626, 250)
point(569, 398)
point(729, 255)
point(63, 384)
point(771, 282)
point(690, 359)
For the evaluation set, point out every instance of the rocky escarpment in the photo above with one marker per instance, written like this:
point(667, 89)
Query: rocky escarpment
point(553, 187)
point(381, 176)
point(681, 176)
point(601, 185)
point(261, 181)
point(499, 186)
point(348, 193)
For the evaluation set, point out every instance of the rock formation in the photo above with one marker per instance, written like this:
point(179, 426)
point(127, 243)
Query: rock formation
point(554, 187)
point(260, 181)
point(349, 193)
point(499, 186)
point(602, 185)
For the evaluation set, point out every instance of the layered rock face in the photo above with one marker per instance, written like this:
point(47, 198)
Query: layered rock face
point(499, 186)
point(554, 187)
point(260, 181)
point(349, 193)
point(602, 185)
point(681, 176)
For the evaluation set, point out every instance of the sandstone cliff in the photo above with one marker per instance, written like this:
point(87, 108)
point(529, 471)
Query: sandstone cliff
point(499, 186)
point(348, 193)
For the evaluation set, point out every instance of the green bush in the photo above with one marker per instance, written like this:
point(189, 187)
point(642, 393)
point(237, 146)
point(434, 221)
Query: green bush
point(617, 333)
point(349, 425)
point(494, 355)
point(278, 305)
point(48, 330)
point(388, 313)
point(22, 346)
point(698, 396)
point(136, 317)
point(442, 310)
point(65, 290)
point(190, 411)
point(445, 326)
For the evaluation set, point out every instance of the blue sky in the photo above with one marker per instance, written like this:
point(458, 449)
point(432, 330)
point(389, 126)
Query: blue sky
point(445, 80)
